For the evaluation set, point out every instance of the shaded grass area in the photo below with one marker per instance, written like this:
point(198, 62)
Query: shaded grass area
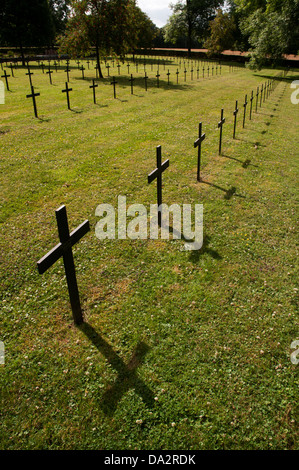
point(179, 350)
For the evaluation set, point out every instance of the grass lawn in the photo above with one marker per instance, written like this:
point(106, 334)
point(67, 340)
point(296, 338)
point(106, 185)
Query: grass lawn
point(179, 349)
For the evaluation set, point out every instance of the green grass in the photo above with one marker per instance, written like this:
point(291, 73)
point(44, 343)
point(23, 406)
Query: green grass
point(179, 349)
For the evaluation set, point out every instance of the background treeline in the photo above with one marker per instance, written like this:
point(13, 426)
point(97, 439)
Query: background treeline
point(267, 28)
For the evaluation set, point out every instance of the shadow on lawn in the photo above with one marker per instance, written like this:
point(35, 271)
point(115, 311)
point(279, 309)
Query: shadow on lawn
point(229, 193)
point(196, 254)
point(127, 376)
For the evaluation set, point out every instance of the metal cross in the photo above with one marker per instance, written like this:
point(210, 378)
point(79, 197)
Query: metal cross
point(82, 68)
point(220, 124)
point(67, 90)
point(197, 143)
point(131, 80)
point(113, 83)
point(235, 120)
point(157, 77)
point(244, 106)
point(33, 95)
point(251, 101)
point(94, 86)
point(50, 77)
point(64, 249)
point(261, 96)
point(257, 98)
point(157, 174)
point(6, 77)
point(145, 81)
point(168, 73)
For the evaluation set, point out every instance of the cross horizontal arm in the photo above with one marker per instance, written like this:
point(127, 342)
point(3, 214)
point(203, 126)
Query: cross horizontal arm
point(199, 140)
point(53, 255)
point(153, 175)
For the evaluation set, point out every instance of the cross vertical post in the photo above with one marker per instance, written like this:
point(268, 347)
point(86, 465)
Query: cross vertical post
point(131, 80)
point(261, 95)
point(251, 101)
point(29, 75)
point(50, 75)
point(197, 143)
point(244, 106)
point(157, 77)
point(33, 95)
point(235, 120)
point(157, 174)
point(114, 83)
point(67, 90)
point(257, 98)
point(220, 125)
point(94, 86)
point(67, 70)
point(145, 81)
point(64, 249)
point(6, 77)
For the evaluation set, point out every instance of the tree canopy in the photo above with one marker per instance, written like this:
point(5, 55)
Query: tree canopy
point(109, 26)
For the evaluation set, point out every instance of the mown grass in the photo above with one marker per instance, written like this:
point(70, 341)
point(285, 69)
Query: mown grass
point(179, 349)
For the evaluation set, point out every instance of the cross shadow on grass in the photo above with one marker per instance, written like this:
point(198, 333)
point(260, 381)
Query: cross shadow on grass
point(245, 164)
point(127, 373)
point(229, 193)
point(196, 254)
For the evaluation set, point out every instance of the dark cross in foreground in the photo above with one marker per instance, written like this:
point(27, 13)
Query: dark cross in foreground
point(244, 106)
point(197, 143)
point(220, 124)
point(261, 96)
point(157, 174)
point(33, 95)
point(177, 76)
point(82, 68)
point(235, 120)
point(114, 83)
point(131, 80)
point(94, 86)
point(50, 77)
point(108, 68)
point(67, 90)
point(6, 77)
point(29, 75)
point(168, 73)
point(64, 249)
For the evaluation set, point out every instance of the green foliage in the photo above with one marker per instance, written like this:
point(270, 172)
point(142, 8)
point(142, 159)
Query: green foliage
point(191, 20)
point(272, 28)
point(24, 23)
point(222, 30)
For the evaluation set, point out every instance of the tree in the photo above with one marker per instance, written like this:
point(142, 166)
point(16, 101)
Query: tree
point(59, 10)
point(191, 19)
point(107, 25)
point(222, 30)
point(24, 23)
point(272, 29)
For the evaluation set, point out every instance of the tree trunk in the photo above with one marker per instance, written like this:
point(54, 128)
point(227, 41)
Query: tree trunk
point(98, 61)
